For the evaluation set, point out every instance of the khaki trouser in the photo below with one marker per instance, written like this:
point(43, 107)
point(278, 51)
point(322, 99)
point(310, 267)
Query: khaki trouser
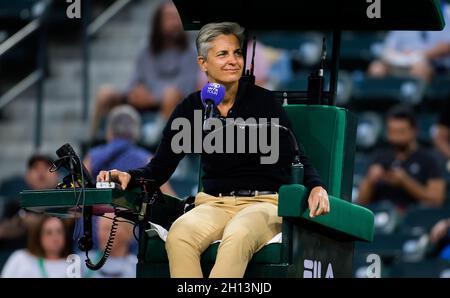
point(244, 224)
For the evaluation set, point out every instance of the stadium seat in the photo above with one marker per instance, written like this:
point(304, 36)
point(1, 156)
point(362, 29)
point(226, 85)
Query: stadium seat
point(420, 220)
point(387, 218)
point(19, 9)
point(433, 268)
point(439, 90)
point(426, 124)
point(358, 49)
point(370, 126)
point(393, 248)
point(378, 93)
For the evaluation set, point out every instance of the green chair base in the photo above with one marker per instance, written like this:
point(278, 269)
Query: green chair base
point(315, 253)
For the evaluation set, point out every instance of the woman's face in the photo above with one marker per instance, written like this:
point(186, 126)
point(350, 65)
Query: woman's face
point(53, 237)
point(170, 21)
point(224, 62)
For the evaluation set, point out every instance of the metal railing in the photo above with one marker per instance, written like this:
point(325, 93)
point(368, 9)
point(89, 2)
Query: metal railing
point(36, 77)
point(89, 30)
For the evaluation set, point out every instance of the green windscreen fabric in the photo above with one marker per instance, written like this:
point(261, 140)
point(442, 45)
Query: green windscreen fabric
point(345, 217)
point(327, 134)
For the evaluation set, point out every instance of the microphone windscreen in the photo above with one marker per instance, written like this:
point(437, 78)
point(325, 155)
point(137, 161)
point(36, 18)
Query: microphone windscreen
point(214, 92)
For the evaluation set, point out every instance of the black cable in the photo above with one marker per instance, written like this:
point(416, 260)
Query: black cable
point(73, 159)
point(55, 167)
point(83, 192)
point(77, 198)
point(108, 247)
point(124, 221)
point(134, 232)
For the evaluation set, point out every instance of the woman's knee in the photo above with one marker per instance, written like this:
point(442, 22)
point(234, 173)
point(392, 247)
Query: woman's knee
point(181, 232)
point(239, 235)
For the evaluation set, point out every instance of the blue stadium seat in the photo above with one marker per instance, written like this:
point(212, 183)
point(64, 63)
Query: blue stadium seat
point(439, 89)
point(378, 93)
point(420, 220)
point(433, 268)
point(358, 49)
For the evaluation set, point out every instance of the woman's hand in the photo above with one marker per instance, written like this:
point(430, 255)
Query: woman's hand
point(318, 202)
point(439, 230)
point(123, 178)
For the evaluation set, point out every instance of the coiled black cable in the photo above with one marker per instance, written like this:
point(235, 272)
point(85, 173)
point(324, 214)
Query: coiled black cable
point(108, 246)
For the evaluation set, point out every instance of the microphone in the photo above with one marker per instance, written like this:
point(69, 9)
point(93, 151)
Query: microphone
point(211, 95)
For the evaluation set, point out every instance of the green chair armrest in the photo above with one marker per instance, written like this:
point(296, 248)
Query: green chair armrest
point(345, 217)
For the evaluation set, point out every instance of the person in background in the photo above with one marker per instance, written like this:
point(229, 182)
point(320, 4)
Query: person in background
point(121, 152)
point(404, 173)
point(37, 176)
point(440, 234)
point(421, 54)
point(441, 137)
point(163, 72)
point(46, 253)
point(14, 224)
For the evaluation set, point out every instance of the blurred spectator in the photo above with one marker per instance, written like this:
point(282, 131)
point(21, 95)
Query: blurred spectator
point(404, 173)
point(121, 151)
point(163, 73)
point(13, 226)
point(441, 137)
point(416, 53)
point(37, 176)
point(440, 236)
point(45, 256)
point(121, 263)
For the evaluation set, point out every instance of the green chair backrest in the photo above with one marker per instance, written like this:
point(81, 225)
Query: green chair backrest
point(327, 134)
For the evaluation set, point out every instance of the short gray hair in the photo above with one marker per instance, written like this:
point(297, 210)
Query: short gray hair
point(210, 31)
point(124, 122)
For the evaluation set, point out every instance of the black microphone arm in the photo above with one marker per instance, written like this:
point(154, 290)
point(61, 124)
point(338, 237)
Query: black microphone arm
point(296, 166)
point(297, 169)
point(288, 130)
point(209, 112)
